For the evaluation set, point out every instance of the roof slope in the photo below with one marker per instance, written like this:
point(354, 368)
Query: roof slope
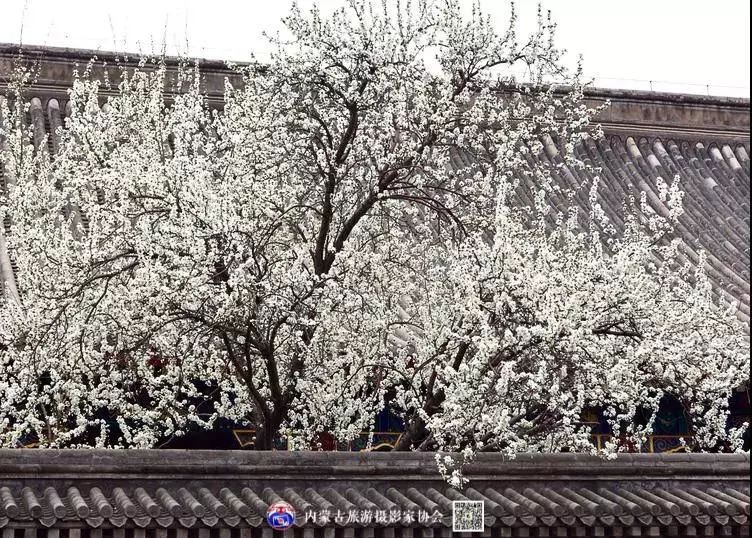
point(648, 495)
point(705, 140)
point(715, 177)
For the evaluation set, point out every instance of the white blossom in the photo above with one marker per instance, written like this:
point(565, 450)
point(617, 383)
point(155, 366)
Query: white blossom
point(310, 255)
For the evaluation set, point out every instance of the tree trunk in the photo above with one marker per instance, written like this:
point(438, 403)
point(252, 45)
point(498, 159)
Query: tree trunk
point(411, 435)
point(267, 429)
point(416, 431)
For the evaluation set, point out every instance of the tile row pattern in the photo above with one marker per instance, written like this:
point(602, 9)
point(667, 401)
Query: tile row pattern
point(514, 506)
point(715, 177)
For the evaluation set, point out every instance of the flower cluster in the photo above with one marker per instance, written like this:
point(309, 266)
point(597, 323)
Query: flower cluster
point(345, 235)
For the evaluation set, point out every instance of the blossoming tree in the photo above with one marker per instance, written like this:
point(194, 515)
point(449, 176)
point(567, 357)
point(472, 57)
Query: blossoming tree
point(341, 238)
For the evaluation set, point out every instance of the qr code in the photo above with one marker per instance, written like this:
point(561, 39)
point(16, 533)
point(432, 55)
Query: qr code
point(467, 516)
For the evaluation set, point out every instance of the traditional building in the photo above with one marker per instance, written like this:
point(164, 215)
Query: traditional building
point(200, 494)
point(212, 494)
point(705, 140)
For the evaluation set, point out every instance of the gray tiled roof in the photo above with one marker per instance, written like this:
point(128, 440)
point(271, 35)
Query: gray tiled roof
point(706, 140)
point(514, 505)
point(715, 175)
point(381, 491)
